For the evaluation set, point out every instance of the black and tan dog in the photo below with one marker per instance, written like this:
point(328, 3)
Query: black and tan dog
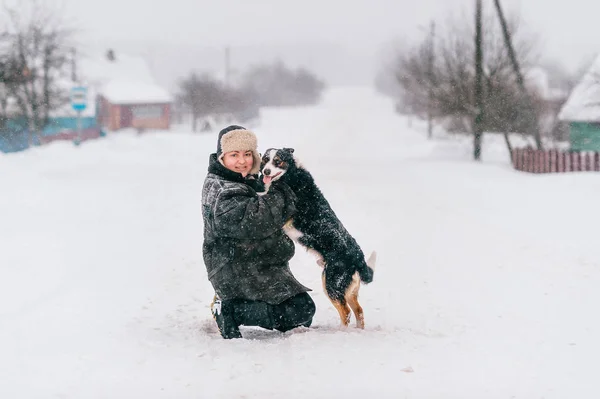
point(316, 227)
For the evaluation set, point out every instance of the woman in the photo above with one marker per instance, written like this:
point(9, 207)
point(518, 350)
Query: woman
point(245, 250)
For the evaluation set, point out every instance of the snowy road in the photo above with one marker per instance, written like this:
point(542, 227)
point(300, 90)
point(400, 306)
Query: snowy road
point(486, 286)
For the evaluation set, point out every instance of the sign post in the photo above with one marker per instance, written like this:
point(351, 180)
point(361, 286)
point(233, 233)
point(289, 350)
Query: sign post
point(79, 104)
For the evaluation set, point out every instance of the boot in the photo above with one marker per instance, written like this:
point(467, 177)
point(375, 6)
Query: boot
point(223, 313)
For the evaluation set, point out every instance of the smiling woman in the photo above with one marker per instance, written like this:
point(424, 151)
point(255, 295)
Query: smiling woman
point(239, 161)
point(236, 150)
point(245, 250)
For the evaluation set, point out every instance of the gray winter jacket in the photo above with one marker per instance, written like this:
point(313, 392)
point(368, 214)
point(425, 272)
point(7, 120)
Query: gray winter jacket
point(245, 250)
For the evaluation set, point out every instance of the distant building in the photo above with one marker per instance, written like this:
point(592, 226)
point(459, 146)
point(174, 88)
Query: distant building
point(126, 93)
point(121, 93)
point(582, 111)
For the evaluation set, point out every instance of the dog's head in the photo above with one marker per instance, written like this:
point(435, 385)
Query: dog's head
point(275, 163)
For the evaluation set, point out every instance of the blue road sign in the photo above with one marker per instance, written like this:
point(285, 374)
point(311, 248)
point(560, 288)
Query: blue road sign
point(79, 98)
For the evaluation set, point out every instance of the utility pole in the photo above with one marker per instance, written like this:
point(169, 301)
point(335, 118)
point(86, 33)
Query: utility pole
point(227, 66)
point(430, 63)
point(520, 79)
point(73, 65)
point(479, 111)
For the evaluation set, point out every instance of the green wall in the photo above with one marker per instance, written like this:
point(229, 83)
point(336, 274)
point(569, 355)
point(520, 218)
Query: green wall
point(584, 136)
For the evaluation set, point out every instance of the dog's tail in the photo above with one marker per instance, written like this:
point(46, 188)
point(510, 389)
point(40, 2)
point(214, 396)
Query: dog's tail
point(368, 268)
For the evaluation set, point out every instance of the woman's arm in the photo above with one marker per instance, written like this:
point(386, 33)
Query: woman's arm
point(240, 213)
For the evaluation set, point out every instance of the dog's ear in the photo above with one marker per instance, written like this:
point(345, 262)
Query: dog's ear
point(290, 150)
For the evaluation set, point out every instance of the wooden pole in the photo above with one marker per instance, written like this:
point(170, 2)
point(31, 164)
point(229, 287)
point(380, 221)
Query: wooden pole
point(520, 79)
point(431, 61)
point(478, 125)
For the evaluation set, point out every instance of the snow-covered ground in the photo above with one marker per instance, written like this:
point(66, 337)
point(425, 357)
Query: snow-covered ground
point(486, 287)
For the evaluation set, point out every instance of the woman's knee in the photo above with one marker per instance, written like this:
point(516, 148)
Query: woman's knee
point(297, 310)
point(308, 304)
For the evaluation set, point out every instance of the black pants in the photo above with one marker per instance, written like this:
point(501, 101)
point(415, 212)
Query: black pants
point(294, 312)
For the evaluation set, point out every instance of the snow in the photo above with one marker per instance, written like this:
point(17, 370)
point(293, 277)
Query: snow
point(536, 78)
point(486, 284)
point(583, 104)
point(128, 92)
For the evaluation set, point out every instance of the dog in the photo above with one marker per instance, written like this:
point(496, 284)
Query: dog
point(316, 227)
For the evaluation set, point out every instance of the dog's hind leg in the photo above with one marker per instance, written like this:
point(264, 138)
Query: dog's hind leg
point(344, 311)
point(352, 300)
point(340, 305)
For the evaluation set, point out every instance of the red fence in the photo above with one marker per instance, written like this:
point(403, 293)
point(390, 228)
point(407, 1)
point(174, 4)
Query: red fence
point(554, 161)
point(72, 135)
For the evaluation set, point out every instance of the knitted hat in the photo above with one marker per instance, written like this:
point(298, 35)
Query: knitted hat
point(237, 138)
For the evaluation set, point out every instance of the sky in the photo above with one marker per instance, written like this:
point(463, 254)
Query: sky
point(343, 41)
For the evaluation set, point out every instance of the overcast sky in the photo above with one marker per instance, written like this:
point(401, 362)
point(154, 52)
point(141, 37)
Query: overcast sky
point(359, 28)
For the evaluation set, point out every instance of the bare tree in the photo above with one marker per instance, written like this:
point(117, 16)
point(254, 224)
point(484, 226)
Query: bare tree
point(479, 106)
point(200, 95)
point(37, 47)
point(4, 81)
point(451, 85)
point(277, 85)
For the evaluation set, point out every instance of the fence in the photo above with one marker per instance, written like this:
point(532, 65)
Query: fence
point(554, 161)
point(72, 135)
point(14, 141)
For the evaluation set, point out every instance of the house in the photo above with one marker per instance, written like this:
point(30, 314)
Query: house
point(582, 111)
point(121, 92)
point(127, 95)
point(123, 104)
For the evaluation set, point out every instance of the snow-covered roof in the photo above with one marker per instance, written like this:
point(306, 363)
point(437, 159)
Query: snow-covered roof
point(126, 80)
point(132, 92)
point(583, 104)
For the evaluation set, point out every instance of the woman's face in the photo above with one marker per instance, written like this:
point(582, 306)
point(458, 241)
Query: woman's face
point(239, 161)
